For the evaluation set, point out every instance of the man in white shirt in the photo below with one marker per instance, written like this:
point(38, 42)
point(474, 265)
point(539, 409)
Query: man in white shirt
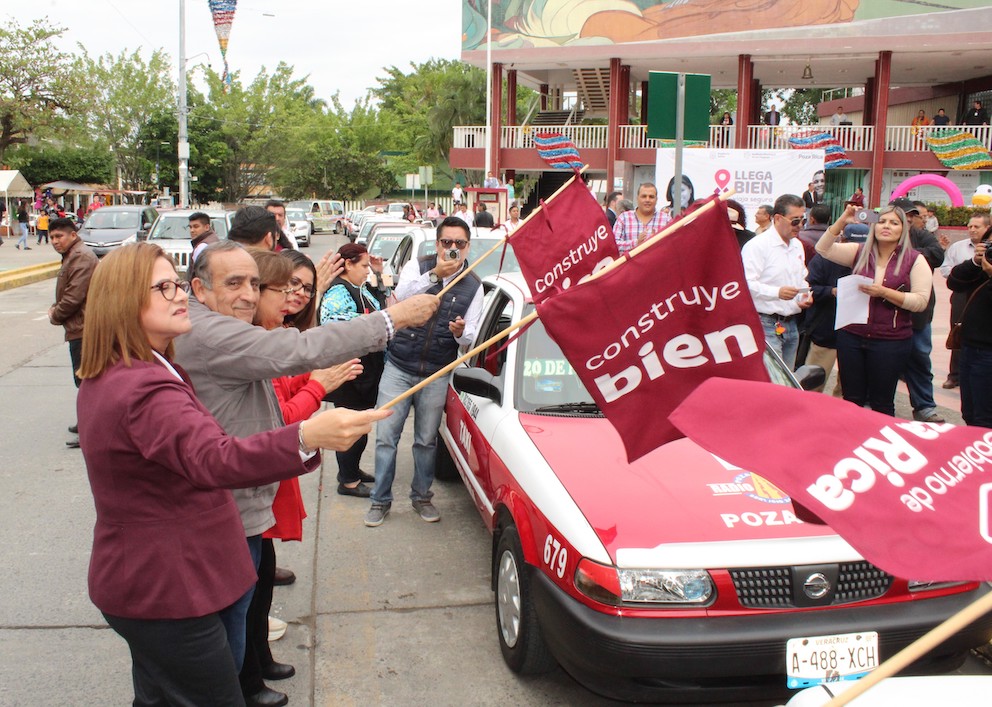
point(456, 193)
point(491, 181)
point(775, 270)
point(513, 223)
point(957, 253)
point(838, 117)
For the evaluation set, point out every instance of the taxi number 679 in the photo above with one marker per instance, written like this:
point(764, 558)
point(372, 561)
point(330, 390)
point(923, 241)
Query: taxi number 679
point(555, 556)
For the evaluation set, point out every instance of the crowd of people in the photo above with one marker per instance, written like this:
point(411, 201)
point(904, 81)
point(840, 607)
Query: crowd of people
point(214, 384)
point(793, 261)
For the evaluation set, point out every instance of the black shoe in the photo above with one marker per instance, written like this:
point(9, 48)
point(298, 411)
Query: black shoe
point(361, 491)
point(266, 697)
point(74, 429)
point(367, 478)
point(27, 247)
point(283, 577)
point(72, 444)
point(278, 671)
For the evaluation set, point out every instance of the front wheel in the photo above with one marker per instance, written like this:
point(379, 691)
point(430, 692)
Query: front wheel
point(338, 228)
point(520, 640)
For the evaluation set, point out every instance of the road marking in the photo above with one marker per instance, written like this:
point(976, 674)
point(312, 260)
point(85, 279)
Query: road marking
point(42, 318)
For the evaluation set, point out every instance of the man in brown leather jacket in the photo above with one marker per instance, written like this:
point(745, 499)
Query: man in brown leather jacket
point(78, 264)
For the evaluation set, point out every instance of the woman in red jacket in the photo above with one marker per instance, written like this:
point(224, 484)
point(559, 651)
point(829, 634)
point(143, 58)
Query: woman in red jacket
point(169, 554)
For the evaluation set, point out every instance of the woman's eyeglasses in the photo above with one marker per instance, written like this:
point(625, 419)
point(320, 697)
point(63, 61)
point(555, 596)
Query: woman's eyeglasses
point(295, 285)
point(458, 243)
point(284, 291)
point(169, 288)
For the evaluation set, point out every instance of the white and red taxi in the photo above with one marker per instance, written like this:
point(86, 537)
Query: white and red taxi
point(677, 577)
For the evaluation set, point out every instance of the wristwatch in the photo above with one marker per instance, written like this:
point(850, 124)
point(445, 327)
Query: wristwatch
point(432, 276)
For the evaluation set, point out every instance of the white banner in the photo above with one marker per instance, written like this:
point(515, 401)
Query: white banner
point(758, 176)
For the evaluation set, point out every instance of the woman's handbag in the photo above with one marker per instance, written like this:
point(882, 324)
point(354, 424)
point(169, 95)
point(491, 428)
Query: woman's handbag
point(954, 335)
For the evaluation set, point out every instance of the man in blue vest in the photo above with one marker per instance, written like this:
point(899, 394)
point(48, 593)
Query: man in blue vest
point(413, 355)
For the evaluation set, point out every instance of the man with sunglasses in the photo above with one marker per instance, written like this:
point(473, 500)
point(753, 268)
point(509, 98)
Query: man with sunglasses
point(416, 353)
point(775, 269)
point(71, 288)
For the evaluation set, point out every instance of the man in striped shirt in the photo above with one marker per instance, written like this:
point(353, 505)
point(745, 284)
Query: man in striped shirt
point(634, 227)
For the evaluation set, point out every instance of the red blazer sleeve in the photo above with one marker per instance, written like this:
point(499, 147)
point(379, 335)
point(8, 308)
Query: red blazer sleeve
point(299, 397)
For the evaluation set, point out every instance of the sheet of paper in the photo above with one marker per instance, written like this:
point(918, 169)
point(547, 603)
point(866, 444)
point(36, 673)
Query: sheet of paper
point(852, 303)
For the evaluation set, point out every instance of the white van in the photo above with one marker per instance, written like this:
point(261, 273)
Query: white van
point(326, 214)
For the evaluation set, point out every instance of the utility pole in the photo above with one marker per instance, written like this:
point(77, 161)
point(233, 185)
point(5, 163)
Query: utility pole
point(183, 136)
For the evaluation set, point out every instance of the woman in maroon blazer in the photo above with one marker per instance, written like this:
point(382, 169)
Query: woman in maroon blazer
point(169, 553)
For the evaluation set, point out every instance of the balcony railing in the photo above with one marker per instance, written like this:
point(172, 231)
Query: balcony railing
point(853, 138)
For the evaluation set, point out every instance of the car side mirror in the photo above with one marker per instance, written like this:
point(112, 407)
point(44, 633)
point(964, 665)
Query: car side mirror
point(478, 381)
point(810, 377)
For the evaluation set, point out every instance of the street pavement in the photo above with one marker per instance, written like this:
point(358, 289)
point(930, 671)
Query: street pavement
point(396, 615)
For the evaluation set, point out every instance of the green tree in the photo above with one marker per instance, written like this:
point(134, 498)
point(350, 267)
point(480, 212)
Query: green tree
point(89, 165)
point(798, 104)
point(722, 100)
point(128, 93)
point(38, 84)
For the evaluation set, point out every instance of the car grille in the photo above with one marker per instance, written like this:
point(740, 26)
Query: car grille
point(182, 259)
point(775, 587)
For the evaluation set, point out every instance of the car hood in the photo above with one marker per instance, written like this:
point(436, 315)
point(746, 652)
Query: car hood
point(678, 501)
point(105, 235)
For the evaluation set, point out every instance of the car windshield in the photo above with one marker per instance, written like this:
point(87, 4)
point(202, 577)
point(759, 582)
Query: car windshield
point(546, 381)
point(105, 218)
point(296, 215)
point(476, 249)
point(385, 244)
point(177, 227)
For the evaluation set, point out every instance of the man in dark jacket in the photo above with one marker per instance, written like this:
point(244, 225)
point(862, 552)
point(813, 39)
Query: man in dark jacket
point(414, 355)
point(71, 288)
point(483, 219)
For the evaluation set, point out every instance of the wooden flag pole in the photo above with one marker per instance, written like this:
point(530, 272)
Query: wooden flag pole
point(916, 649)
point(505, 238)
point(533, 315)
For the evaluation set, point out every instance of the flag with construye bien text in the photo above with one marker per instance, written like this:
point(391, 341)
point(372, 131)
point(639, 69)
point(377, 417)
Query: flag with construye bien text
point(564, 241)
point(913, 498)
point(644, 335)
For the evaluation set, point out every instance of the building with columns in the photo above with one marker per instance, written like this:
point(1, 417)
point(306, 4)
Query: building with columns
point(589, 61)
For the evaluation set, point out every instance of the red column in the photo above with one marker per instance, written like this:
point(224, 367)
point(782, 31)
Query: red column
point(617, 99)
point(745, 84)
point(511, 97)
point(883, 73)
point(868, 114)
point(544, 96)
point(625, 86)
point(497, 113)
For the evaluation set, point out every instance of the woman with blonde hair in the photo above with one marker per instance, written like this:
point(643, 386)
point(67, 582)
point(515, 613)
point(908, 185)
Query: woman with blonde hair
point(169, 553)
point(872, 356)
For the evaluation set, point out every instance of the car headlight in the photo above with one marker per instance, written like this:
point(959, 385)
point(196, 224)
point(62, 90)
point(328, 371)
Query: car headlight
point(923, 586)
point(666, 586)
point(609, 585)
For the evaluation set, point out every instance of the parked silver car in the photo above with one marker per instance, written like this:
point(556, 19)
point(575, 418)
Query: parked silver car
point(111, 227)
point(171, 232)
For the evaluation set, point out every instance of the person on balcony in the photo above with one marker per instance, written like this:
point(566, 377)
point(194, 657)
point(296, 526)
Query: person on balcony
point(492, 182)
point(839, 117)
point(920, 121)
point(941, 119)
point(772, 116)
point(977, 115)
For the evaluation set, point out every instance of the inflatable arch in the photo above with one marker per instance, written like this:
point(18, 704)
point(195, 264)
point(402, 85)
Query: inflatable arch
point(934, 180)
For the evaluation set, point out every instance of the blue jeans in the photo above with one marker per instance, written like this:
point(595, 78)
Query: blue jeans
point(235, 616)
point(869, 369)
point(428, 405)
point(23, 240)
point(787, 344)
point(975, 372)
point(918, 374)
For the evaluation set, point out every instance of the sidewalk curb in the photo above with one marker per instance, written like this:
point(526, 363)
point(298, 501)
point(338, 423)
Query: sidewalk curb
point(10, 279)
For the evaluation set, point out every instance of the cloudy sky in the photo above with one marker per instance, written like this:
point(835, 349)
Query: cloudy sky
point(341, 45)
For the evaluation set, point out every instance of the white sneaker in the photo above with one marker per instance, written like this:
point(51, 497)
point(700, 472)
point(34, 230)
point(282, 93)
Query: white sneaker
point(277, 628)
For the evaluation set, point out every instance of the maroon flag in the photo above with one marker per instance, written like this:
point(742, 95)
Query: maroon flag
point(911, 497)
point(644, 335)
point(563, 242)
